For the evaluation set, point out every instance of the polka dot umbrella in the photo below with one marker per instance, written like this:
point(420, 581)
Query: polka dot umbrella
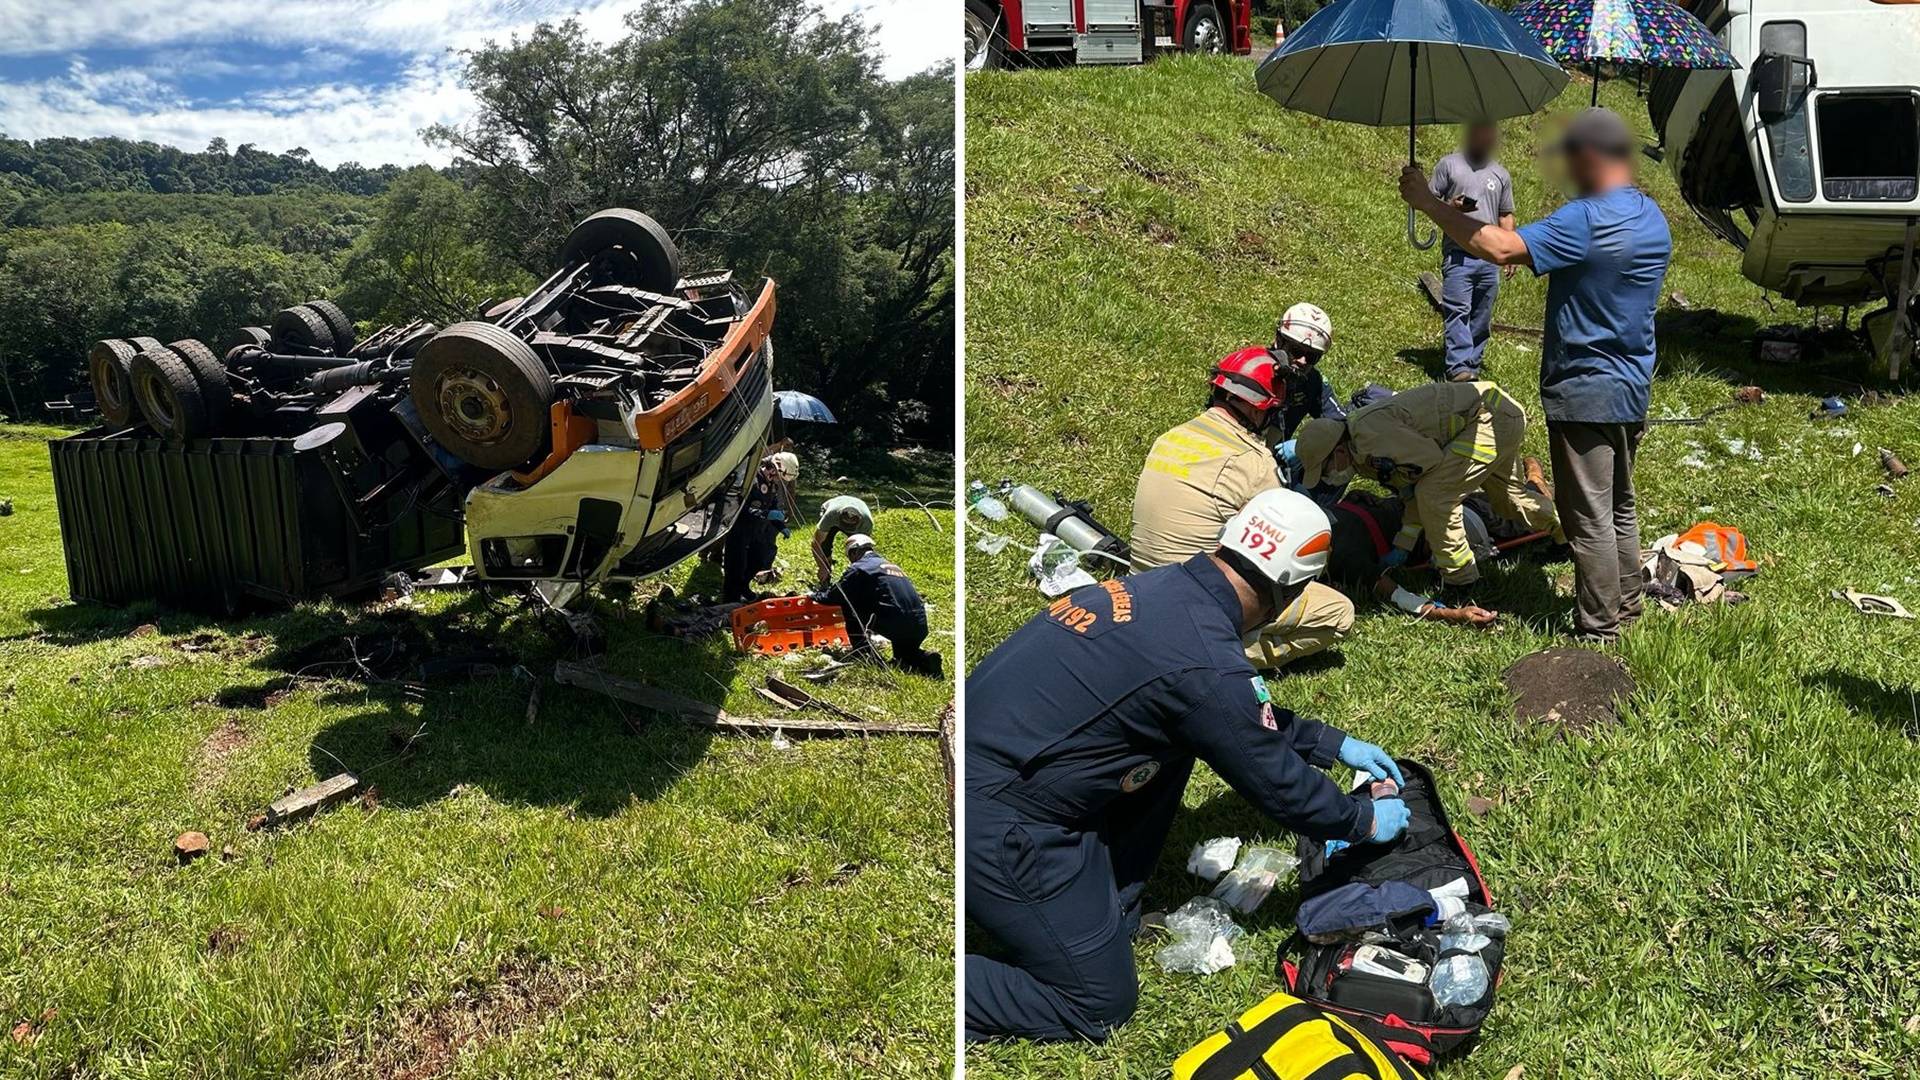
point(1655, 33)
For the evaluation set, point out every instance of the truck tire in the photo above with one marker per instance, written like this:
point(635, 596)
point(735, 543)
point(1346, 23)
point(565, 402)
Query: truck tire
point(651, 258)
point(985, 31)
point(302, 329)
point(210, 375)
point(110, 369)
point(168, 396)
point(344, 335)
point(1205, 32)
point(484, 395)
point(253, 337)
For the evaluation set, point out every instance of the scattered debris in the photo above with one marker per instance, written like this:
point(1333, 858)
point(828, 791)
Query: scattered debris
point(1749, 395)
point(228, 853)
point(1576, 690)
point(1831, 408)
point(1479, 805)
point(1885, 490)
point(588, 677)
point(189, 846)
point(1869, 604)
point(226, 939)
point(6, 507)
point(27, 1031)
point(1680, 300)
point(307, 801)
point(1892, 463)
point(144, 630)
point(417, 1041)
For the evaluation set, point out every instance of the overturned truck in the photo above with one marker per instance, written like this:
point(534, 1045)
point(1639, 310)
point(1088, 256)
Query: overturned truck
point(603, 427)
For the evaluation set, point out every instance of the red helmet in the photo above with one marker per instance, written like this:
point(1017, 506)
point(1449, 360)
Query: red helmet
point(1252, 376)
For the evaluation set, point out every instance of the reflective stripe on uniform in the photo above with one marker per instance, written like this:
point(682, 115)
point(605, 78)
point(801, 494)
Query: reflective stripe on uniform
point(1482, 452)
point(1453, 560)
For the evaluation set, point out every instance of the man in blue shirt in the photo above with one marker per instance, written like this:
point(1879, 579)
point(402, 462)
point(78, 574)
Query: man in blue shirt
point(1605, 254)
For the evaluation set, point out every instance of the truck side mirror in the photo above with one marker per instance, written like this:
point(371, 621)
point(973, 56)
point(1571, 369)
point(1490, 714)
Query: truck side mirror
point(1774, 84)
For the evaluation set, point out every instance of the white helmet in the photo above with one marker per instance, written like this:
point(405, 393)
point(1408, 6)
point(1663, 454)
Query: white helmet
point(856, 544)
point(787, 464)
point(1283, 535)
point(1306, 326)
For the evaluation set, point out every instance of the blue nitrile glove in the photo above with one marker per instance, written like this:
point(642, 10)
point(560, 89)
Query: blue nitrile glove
point(1288, 454)
point(1389, 820)
point(1355, 754)
point(1395, 557)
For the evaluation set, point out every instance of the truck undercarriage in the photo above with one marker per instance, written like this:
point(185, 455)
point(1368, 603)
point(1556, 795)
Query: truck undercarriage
point(601, 427)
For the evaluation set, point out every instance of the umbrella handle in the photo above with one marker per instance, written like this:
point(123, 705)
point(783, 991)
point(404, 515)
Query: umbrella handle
point(1432, 237)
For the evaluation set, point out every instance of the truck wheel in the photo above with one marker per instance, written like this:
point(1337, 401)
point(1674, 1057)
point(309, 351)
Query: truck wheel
point(337, 322)
point(110, 368)
point(632, 247)
point(168, 396)
point(986, 37)
point(302, 328)
point(210, 375)
point(1205, 32)
point(483, 395)
point(251, 337)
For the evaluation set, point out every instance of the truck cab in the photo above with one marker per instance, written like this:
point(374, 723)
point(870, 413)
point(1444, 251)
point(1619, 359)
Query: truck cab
point(1806, 157)
point(1003, 33)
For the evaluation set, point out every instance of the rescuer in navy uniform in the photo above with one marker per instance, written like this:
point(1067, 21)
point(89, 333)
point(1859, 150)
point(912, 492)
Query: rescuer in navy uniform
point(1082, 729)
point(878, 598)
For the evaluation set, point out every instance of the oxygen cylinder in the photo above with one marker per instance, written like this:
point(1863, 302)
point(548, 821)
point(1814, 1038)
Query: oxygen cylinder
point(1072, 526)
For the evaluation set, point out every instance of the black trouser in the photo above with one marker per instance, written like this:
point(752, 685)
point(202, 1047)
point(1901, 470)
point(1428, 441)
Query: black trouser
point(749, 548)
point(1064, 901)
point(907, 632)
point(1593, 490)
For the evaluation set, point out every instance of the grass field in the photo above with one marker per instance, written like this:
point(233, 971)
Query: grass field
point(1722, 885)
point(567, 897)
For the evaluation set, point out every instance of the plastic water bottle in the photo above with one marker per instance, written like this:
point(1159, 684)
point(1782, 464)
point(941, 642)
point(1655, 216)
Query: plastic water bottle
point(979, 498)
point(1459, 980)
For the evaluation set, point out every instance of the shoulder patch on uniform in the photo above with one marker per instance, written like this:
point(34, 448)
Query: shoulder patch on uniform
point(1265, 699)
point(1139, 776)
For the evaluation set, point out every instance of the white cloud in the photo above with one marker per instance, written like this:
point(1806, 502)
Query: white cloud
point(312, 107)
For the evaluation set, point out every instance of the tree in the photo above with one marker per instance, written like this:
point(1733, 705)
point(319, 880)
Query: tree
point(420, 258)
point(761, 135)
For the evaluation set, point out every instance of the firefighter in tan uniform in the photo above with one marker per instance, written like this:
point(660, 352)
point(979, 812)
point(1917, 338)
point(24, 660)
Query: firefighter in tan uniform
point(1434, 445)
point(1201, 473)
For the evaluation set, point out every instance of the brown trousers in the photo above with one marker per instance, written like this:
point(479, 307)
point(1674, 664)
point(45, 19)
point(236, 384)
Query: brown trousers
point(1593, 489)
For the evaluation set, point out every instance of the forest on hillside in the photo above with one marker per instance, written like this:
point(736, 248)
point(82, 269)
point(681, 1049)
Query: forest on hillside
point(760, 133)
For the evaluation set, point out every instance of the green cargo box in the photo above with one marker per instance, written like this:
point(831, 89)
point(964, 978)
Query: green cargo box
point(215, 523)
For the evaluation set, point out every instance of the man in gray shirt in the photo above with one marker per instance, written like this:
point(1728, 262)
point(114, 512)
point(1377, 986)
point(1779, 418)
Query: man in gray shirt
point(1471, 181)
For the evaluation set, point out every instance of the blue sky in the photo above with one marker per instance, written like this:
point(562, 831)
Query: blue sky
point(350, 80)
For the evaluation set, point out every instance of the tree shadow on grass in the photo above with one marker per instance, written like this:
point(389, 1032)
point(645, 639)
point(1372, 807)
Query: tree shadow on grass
point(1897, 707)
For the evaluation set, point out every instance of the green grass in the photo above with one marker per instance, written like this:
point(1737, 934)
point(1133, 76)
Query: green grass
point(566, 898)
point(1724, 884)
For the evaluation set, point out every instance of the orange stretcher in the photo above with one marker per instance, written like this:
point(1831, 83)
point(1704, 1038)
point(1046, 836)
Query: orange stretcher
point(785, 623)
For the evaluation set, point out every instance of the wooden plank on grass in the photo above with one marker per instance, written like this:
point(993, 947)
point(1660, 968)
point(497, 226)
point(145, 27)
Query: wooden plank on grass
point(310, 800)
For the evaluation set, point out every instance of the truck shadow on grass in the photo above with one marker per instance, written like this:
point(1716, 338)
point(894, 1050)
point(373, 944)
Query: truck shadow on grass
point(442, 700)
point(1896, 707)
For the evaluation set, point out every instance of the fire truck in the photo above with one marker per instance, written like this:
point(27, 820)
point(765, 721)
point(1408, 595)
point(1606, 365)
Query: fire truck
point(1009, 33)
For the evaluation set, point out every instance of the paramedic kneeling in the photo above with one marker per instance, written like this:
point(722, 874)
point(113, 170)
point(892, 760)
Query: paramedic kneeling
point(1082, 729)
